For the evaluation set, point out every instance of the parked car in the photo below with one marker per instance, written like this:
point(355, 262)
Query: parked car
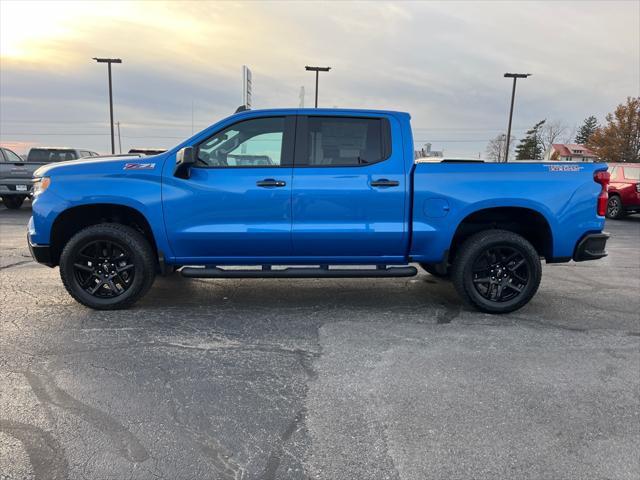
point(624, 189)
point(332, 188)
point(16, 174)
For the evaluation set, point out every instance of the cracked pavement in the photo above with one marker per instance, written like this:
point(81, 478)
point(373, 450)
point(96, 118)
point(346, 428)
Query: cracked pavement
point(323, 379)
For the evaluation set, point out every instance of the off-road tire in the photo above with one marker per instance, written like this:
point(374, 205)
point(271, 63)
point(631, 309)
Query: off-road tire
point(479, 244)
point(142, 257)
point(13, 202)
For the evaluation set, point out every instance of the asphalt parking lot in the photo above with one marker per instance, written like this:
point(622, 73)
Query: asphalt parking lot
point(327, 379)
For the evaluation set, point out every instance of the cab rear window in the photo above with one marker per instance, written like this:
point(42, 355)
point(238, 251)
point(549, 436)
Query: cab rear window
point(46, 155)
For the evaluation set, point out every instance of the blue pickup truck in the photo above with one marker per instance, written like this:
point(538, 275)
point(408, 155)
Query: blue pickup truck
point(300, 193)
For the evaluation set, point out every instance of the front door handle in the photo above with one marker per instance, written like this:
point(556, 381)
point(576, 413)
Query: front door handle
point(270, 183)
point(383, 182)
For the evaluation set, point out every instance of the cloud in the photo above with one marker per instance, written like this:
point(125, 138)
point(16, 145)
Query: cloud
point(441, 61)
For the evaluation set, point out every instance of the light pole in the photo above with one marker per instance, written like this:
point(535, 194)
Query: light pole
point(515, 77)
point(109, 61)
point(317, 70)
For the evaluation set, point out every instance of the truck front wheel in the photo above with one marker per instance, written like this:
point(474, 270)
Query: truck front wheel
point(107, 266)
point(497, 271)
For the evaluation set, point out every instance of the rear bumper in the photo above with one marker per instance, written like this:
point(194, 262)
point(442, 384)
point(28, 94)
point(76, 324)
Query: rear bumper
point(11, 188)
point(591, 247)
point(40, 253)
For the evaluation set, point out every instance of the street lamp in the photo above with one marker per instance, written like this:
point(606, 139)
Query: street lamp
point(109, 61)
point(515, 77)
point(317, 70)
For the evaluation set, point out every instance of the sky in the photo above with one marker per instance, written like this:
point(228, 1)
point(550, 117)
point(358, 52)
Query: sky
point(441, 61)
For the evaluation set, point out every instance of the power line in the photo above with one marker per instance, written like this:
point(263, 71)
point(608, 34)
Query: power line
point(4, 134)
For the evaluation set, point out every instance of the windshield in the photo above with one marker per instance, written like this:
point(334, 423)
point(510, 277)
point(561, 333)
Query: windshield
point(47, 155)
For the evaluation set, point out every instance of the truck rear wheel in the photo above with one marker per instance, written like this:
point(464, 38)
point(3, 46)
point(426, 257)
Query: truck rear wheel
point(107, 266)
point(13, 202)
point(497, 271)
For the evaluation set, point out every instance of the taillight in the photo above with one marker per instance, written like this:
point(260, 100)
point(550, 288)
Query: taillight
point(602, 177)
point(638, 187)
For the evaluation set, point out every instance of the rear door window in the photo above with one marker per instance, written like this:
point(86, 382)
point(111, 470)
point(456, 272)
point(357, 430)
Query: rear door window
point(343, 141)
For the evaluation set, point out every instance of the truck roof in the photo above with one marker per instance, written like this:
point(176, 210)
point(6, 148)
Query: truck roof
point(328, 111)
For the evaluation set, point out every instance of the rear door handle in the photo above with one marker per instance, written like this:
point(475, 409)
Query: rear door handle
point(383, 182)
point(270, 183)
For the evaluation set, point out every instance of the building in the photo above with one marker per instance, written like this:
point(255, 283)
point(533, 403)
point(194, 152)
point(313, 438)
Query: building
point(427, 152)
point(570, 152)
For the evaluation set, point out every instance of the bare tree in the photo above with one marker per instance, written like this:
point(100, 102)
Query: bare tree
point(497, 146)
point(570, 135)
point(551, 133)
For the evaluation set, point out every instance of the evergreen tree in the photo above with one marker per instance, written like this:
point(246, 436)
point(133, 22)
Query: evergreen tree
point(587, 129)
point(531, 147)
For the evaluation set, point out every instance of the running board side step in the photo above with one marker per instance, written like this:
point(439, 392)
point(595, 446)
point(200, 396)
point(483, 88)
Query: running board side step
point(300, 272)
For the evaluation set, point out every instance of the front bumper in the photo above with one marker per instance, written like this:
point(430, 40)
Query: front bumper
point(591, 247)
point(40, 253)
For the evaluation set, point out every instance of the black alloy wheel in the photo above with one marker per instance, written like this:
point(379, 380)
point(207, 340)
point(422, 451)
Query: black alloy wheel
point(500, 273)
point(614, 207)
point(104, 268)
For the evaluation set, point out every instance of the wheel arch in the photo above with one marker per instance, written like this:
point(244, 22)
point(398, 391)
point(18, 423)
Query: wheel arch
point(71, 221)
point(527, 222)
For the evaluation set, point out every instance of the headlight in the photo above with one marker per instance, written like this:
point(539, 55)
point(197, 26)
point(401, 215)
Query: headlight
point(40, 185)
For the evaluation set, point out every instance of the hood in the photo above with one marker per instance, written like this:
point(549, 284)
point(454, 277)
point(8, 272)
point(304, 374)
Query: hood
point(78, 165)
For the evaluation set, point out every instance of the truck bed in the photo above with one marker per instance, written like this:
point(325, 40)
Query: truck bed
point(564, 194)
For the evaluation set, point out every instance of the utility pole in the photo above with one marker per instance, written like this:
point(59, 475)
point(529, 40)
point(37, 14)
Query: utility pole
point(109, 61)
point(317, 70)
point(515, 77)
point(119, 142)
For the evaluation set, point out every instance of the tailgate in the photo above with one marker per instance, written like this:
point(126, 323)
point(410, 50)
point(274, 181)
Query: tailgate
point(17, 177)
point(18, 170)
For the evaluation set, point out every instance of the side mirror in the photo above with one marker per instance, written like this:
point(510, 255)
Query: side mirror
point(185, 158)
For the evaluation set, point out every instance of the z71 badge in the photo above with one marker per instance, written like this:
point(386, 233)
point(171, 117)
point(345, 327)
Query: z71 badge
point(139, 166)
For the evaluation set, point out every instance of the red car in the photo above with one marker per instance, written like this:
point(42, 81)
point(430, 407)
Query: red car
point(624, 189)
